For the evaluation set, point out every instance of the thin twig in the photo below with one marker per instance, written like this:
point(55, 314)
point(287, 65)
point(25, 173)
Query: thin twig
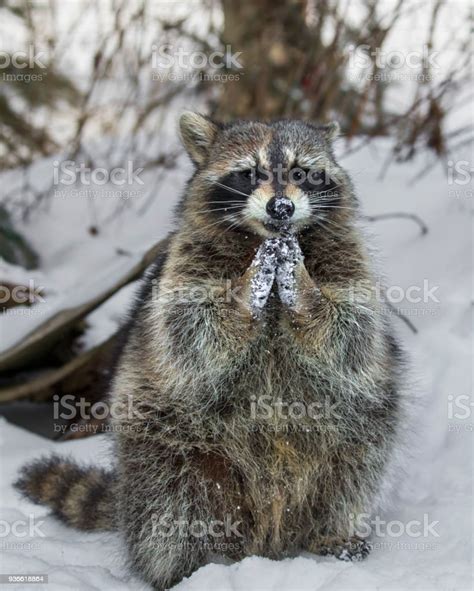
point(402, 317)
point(409, 216)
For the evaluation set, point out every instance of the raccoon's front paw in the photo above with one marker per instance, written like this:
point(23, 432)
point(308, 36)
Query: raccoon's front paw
point(353, 550)
point(289, 256)
point(263, 274)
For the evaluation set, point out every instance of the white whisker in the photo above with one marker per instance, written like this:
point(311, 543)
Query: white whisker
point(231, 189)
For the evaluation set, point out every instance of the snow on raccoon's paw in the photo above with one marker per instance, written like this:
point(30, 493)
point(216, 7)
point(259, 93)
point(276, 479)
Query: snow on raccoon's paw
point(289, 255)
point(276, 257)
point(265, 262)
point(354, 550)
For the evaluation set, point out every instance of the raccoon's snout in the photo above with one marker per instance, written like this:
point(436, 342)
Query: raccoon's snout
point(280, 208)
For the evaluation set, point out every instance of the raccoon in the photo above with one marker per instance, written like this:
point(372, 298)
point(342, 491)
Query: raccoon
point(265, 382)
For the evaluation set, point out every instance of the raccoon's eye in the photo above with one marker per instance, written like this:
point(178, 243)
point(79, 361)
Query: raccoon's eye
point(251, 176)
point(298, 174)
point(315, 181)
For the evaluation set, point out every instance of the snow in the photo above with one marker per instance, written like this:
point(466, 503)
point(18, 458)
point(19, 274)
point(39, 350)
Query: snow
point(76, 266)
point(275, 258)
point(262, 281)
point(439, 482)
point(291, 255)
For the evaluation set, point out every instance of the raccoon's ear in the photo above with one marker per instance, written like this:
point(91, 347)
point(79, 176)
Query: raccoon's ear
point(331, 130)
point(198, 134)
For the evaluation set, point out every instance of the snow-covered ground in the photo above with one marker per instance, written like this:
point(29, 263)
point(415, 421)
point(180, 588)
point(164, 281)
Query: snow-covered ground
point(438, 488)
point(76, 266)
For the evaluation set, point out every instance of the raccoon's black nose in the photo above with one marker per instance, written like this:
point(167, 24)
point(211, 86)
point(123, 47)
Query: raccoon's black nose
point(280, 208)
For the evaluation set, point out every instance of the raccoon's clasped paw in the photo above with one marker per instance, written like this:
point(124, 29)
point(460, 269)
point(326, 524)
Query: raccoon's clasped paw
point(276, 258)
point(289, 256)
point(289, 250)
point(354, 550)
point(265, 262)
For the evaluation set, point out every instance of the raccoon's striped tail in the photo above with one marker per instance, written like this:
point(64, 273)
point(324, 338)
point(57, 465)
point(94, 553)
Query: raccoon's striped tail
point(82, 497)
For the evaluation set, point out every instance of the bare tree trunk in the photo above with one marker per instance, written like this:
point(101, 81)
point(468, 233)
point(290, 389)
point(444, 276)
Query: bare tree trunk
point(272, 36)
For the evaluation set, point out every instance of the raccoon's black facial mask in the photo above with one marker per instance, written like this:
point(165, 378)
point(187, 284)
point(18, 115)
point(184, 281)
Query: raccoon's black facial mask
point(235, 188)
point(232, 189)
point(313, 181)
point(284, 203)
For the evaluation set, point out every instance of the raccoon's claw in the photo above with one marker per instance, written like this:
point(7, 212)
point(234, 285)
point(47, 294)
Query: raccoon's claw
point(354, 550)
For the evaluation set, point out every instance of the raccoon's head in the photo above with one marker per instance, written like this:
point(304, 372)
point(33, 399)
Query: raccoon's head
point(264, 178)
